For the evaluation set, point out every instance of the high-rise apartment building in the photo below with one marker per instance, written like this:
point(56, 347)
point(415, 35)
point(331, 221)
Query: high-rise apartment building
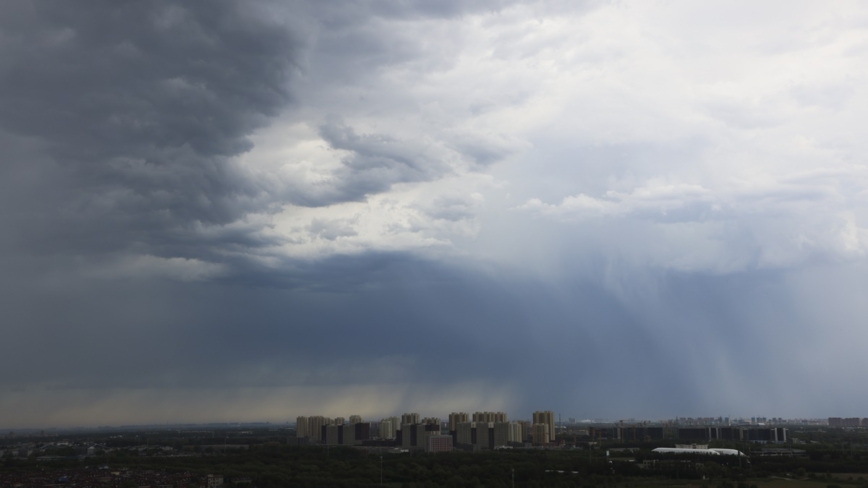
point(456, 418)
point(355, 419)
point(408, 436)
point(315, 425)
point(526, 430)
point(506, 432)
point(348, 434)
point(484, 434)
point(340, 421)
point(501, 434)
point(515, 432)
point(410, 418)
point(361, 431)
point(396, 423)
point(301, 427)
point(432, 424)
point(387, 429)
point(541, 434)
point(489, 417)
point(464, 432)
point(546, 417)
point(332, 435)
point(423, 431)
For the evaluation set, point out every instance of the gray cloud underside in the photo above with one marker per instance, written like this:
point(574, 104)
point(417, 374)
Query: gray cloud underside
point(562, 341)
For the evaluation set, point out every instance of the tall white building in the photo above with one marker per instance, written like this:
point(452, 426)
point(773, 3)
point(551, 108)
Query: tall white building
point(388, 428)
point(506, 432)
point(516, 432)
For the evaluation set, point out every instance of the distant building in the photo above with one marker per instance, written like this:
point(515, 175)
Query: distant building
point(489, 417)
point(315, 425)
point(541, 433)
point(409, 418)
point(423, 432)
point(729, 434)
point(516, 432)
point(849, 422)
point(439, 443)
point(465, 433)
point(388, 428)
point(546, 417)
point(332, 435)
point(526, 430)
point(778, 434)
point(456, 418)
point(361, 432)
point(408, 436)
point(347, 435)
point(301, 427)
point(396, 423)
point(484, 435)
point(640, 433)
point(505, 433)
point(355, 419)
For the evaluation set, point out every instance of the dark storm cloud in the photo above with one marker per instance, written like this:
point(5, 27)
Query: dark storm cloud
point(129, 113)
point(121, 121)
point(394, 318)
point(205, 335)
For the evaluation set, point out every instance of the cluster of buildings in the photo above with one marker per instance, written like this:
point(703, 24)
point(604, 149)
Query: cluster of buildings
point(482, 430)
point(738, 421)
point(847, 422)
point(643, 433)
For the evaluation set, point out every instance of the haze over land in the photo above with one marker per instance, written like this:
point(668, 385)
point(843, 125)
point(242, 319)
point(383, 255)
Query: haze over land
point(252, 211)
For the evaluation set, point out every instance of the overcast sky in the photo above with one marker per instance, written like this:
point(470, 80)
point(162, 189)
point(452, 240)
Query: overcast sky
point(249, 211)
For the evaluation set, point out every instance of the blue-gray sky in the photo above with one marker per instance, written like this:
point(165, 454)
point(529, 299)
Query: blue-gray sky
point(257, 210)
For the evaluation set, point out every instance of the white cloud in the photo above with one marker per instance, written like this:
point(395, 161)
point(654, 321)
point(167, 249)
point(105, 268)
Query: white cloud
point(743, 132)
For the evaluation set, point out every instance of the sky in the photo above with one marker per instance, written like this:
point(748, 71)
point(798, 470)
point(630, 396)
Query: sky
point(251, 211)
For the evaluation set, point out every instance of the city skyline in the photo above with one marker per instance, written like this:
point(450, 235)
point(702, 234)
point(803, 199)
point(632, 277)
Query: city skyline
point(240, 210)
point(445, 419)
